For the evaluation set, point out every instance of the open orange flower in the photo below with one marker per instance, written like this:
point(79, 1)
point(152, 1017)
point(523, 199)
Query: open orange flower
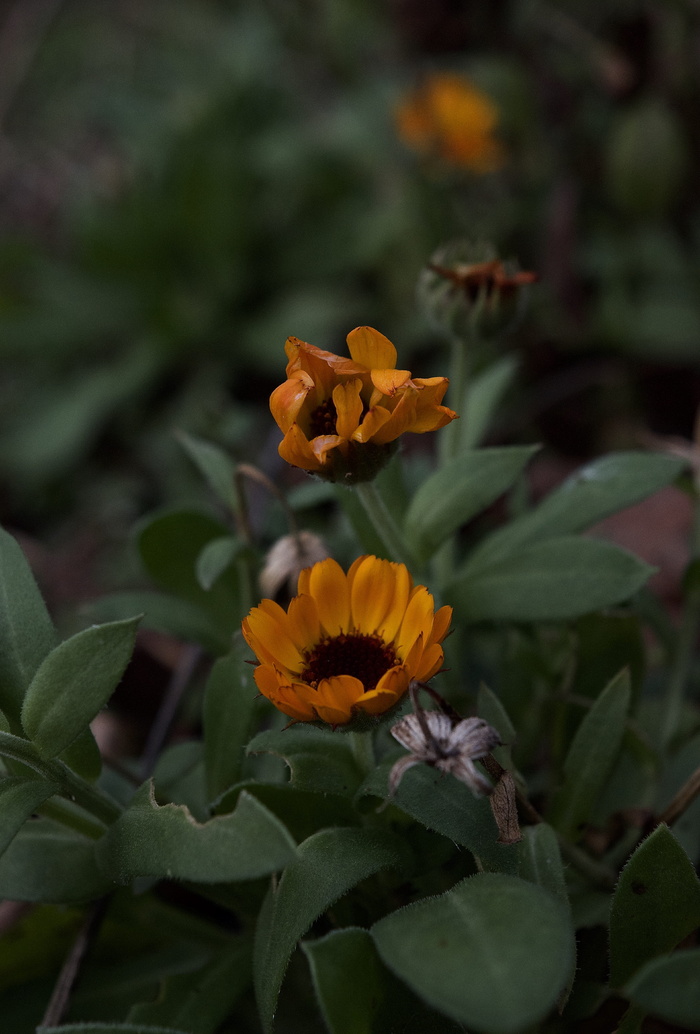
point(341, 417)
point(448, 118)
point(349, 644)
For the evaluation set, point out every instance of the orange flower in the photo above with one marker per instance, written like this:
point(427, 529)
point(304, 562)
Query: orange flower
point(349, 644)
point(341, 417)
point(447, 117)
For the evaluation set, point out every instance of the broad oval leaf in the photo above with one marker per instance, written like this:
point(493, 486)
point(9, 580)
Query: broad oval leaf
point(318, 759)
point(459, 491)
point(74, 682)
point(593, 492)
point(329, 864)
point(444, 804)
point(669, 987)
point(493, 953)
point(215, 558)
point(26, 631)
point(331, 958)
point(149, 840)
point(229, 700)
point(48, 863)
point(19, 799)
point(591, 756)
point(554, 580)
point(656, 904)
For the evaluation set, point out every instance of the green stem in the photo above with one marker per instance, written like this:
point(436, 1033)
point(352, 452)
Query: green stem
point(70, 786)
point(384, 524)
point(685, 643)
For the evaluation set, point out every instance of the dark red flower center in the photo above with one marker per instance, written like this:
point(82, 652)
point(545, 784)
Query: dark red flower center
point(366, 657)
point(323, 419)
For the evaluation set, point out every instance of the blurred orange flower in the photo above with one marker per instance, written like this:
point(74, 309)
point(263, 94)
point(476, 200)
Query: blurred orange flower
point(449, 118)
point(349, 644)
point(341, 417)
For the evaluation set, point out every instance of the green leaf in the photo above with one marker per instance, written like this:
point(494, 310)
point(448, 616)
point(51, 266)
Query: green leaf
point(74, 682)
point(303, 812)
point(669, 988)
point(319, 760)
point(329, 864)
point(229, 701)
point(444, 804)
point(109, 1028)
point(26, 631)
point(215, 465)
point(482, 398)
point(200, 1002)
point(148, 840)
point(554, 580)
point(47, 862)
point(540, 860)
point(83, 756)
point(592, 755)
point(597, 490)
point(493, 953)
point(19, 799)
point(346, 1010)
point(170, 614)
point(170, 544)
point(656, 905)
point(459, 491)
point(374, 1001)
point(215, 558)
point(491, 709)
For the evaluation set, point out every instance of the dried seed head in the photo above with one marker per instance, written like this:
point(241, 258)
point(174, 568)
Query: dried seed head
point(434, 740)
point(287, 558)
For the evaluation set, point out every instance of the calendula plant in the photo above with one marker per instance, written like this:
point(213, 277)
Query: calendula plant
point(446, 783)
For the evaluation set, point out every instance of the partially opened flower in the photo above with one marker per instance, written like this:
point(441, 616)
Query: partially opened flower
point(434, 740)
point(341, 417)
point(349, 644)
point(448, 118)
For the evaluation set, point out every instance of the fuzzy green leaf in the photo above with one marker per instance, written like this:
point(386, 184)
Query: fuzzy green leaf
point(148, 840)
point(554, 580)
point(459, 491)
point(74, 682)
point(319, 760)
point(597, 490)
point(669, 988)
point(444, 804)
point(331, 959)
point(493, 953)
point(592, 755)
point(215, 465)
point(329, 864)
point(26, 631)
point(47, 862)
point(229, 699)
point(199, 1002)
point(656, 905)
point(19, 799)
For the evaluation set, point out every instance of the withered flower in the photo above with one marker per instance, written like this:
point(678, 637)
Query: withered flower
point(434, 740)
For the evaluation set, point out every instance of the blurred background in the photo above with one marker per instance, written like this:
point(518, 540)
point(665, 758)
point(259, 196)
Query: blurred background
point(185, 183)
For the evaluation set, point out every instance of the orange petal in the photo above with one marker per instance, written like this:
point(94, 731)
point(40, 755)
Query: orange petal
point(431, 419)
point(268, 632)
point(401, 419)
point(377, 701)
point(328, 585)
point(287, 400)
point(394, 681)
point(441, 624)
point(304, 626)
point(372, 593)
point(348, 405)
point(418, 620)
point(370, 348)
point(389, 381)
point(430, 662)
point(323, 444)
point(336, 697)
point(403, 583)
point(372, 424)
point(296, 450)
point(272, 685)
